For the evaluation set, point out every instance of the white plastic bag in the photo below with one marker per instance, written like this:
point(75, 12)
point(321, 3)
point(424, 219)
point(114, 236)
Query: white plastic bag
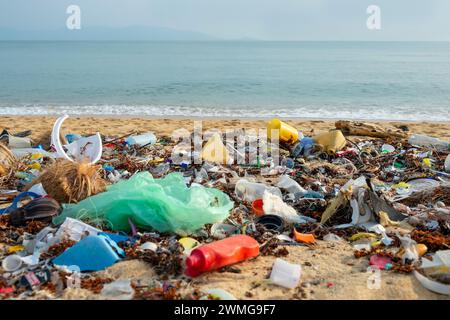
point(118, 290)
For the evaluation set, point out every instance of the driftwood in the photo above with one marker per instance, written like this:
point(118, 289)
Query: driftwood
point(354, 128)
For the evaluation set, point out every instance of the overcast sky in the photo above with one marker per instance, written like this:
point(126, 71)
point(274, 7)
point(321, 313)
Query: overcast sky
point(233, 19)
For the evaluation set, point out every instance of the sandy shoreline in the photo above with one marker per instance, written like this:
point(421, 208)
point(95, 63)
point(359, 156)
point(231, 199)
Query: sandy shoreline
point(42, 125)
point(329, 271)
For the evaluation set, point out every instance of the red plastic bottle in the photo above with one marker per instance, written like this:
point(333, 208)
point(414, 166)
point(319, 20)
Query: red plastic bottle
point(221, 253)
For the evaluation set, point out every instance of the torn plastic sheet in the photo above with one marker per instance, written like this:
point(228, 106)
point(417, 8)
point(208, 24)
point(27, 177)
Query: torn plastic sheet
point(364, 202)
point(76, 229)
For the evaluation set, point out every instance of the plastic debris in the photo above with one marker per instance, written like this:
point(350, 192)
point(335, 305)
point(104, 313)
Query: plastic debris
point(215, 151)
point(285, 274)
point(219, 294)
point(76, 229)
point(221, 253)
point(304, 238)
point(165, 204)
point(118, 290)
point(92, 253)
point(79, 150)
point(332, 141)
point(141, 140)
point(250, 191)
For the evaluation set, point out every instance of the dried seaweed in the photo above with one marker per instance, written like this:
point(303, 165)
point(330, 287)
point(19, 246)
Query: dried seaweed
point(167, 260)
point(58, 248)
point(433, 240)
point(94, 284)
point(165, 292)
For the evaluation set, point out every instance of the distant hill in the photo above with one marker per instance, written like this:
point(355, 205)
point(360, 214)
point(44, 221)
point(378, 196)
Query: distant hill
point(136, 33)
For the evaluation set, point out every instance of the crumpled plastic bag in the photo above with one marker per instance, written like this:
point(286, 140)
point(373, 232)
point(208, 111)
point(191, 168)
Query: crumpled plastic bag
point(273, 204)
point(166, 205)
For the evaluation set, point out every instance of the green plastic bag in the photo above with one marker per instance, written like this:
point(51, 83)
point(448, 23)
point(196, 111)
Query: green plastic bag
point(166, 205)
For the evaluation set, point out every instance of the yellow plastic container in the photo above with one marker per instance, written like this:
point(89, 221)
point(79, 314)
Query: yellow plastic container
point(36, 156)
point(286, 132)
point(35, 165)
point(331, 141)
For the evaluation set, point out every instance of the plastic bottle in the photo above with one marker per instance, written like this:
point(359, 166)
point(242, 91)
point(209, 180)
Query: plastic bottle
point(161, 169)
point(288, 163)
point(286, 133)
point(250, 191)
point(290, 185)
point(141, 140)
point(426, 141)
point(221, 253)
point(303, 147)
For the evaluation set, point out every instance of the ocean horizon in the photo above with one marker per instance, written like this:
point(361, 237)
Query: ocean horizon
point(407, 81)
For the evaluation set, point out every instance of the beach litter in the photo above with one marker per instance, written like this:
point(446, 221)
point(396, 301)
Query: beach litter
point(98, 204)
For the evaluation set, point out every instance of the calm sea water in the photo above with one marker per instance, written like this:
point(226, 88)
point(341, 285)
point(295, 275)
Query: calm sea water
point(360, 80)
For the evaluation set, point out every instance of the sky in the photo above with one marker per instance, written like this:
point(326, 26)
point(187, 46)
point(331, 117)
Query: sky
point(401, 20)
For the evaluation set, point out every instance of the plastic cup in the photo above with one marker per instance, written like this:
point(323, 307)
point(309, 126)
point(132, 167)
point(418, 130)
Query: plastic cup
point(12, 263)
point(285, 274)
point(286, 133)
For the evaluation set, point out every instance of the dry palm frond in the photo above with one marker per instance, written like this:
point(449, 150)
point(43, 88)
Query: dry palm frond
point(69, 182)
point(8, 165)
point(7, 158)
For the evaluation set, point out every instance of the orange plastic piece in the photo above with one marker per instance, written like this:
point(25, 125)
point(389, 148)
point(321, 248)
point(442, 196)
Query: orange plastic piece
point(257, 207)
point(304, 237)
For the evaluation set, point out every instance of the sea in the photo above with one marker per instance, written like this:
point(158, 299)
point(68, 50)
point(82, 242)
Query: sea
point(228, 79)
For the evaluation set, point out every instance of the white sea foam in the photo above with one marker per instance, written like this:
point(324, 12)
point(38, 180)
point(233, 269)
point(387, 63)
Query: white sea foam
point(325, 112)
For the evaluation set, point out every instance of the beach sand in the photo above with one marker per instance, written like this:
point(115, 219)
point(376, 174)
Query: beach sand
point(329, 270)
point(117, 126)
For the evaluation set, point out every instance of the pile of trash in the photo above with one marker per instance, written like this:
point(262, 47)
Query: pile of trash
point(82, 204)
